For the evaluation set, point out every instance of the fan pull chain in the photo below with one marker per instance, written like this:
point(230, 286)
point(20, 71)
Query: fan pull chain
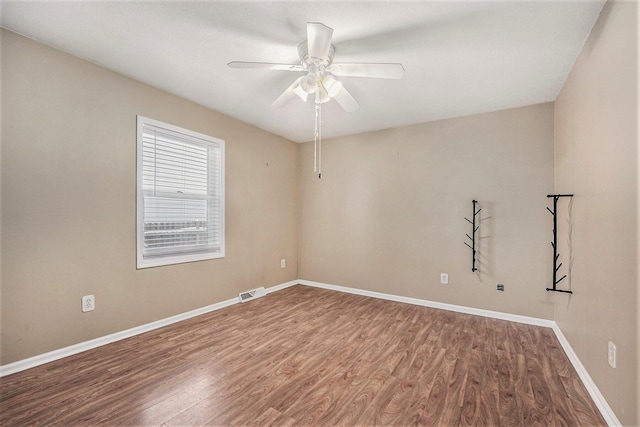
point(317, 142)
point(320, 141)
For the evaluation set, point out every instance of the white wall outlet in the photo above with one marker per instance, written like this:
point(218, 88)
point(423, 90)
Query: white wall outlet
point(88, 303)
point(283, 263)
point(444, 278)
point(612, 355)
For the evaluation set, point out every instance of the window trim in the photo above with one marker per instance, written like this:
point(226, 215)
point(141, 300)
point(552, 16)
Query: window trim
point(171, 259)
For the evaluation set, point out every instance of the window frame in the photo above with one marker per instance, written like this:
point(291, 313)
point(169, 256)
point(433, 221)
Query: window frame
point(172, 258)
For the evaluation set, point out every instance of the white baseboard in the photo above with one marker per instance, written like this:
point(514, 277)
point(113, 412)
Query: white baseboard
point(282, 286)
point(41, 359)
point(439, 305)
point(606, 411)
point(594, 392)
point(591, 387)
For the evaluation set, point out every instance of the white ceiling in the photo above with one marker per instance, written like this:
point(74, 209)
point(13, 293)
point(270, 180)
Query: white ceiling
point(460, 57)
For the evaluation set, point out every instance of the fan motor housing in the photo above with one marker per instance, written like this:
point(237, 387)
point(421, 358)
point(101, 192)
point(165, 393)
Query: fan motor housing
point(303, 54)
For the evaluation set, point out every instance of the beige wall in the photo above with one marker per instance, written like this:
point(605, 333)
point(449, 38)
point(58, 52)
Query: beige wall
point(1, 67)
point(388, 214)
point(1, 117)
point(596, 157)
point(68, 204)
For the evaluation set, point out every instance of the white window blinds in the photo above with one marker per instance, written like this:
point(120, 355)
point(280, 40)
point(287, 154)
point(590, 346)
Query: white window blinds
point(180, 195)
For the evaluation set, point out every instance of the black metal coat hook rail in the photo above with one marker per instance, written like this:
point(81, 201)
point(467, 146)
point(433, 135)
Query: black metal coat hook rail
point(474, 228)
point(556, 255)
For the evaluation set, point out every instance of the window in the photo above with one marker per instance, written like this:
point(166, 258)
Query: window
point(180, 192)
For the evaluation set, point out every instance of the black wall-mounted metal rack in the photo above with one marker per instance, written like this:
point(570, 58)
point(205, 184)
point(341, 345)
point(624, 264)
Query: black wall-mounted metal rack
point(556, 255)
point(474, 228)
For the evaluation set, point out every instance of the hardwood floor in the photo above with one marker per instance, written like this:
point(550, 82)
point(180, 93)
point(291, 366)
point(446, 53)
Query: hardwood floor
point(308, 356)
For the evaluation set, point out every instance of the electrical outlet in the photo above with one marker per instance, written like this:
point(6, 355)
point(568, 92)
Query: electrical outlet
point(88, 303)
point(444, 278)
point(500, 287)
point(612, 355)
point(283, 263)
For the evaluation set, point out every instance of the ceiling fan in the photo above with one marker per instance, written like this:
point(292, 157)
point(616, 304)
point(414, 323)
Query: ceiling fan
point(316, 60)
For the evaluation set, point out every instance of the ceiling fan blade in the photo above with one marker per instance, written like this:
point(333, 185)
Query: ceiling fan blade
point(378, 71)
point(318, 40)
point(289, 94)
point(265, 66)
point(346, 101)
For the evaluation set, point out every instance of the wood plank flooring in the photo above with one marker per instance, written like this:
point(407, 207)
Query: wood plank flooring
point(312, 357)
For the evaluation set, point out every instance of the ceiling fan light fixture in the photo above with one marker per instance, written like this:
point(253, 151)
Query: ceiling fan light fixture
point(321, 95)
point(309, 83)
point(302, 94)
point(332, 85)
